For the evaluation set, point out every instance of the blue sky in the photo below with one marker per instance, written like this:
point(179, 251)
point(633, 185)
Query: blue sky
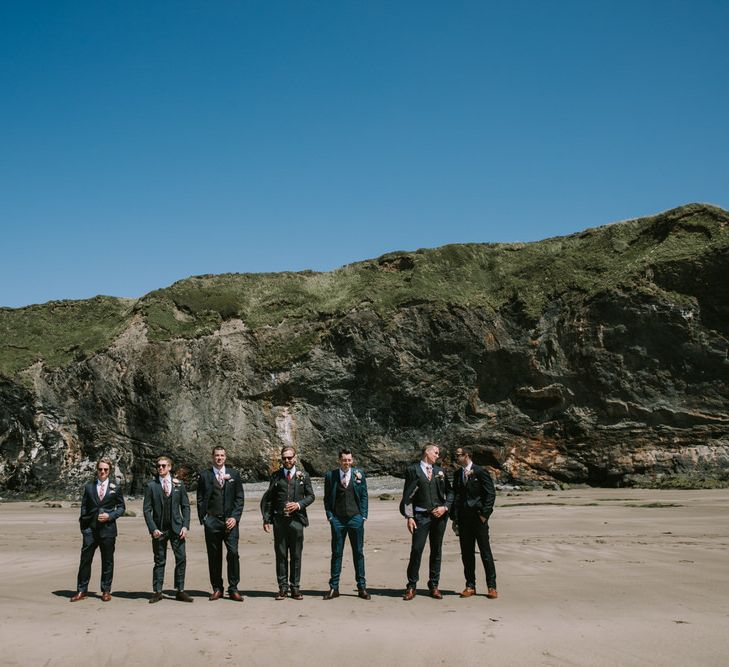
point(147, 141)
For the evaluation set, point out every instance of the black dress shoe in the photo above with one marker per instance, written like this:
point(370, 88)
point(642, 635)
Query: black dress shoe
point(156, 597)
point(362, 592)
point(333, 593)
point(281, 595)
point(181, 596)
point(296, 594)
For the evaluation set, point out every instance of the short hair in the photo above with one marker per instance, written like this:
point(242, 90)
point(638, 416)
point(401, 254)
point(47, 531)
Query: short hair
point(426, 447)
point(288, 448)
point(164, 458)
point(468, 451)
point(344, 450)
point(106, 460)
point(217, 448)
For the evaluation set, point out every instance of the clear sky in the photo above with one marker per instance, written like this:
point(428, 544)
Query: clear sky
point(144, 141)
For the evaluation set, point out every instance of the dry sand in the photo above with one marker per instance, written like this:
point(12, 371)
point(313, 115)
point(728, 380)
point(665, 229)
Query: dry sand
point(586, 577)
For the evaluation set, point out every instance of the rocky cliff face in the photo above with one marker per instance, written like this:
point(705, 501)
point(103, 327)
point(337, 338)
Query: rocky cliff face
point(598, 358)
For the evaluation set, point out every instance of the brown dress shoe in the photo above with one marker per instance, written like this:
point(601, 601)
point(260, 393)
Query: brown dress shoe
point(235, 595)
point(435, 593)
point(409, 594)
point(492, 594)
point(281, 595)
point(216, 595)
point(467, 592)
point(156, 597)
point(296, 594)
point(181, 596)
point(105, 596)
point(81, 595)
point(333, 593)
point(362, 592)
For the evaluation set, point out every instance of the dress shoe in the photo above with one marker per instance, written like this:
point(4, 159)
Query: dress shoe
point(467, 592)
point(333, 593)
point(436, 594)
point(296, 594)
point(409, 594)
point(492, 594)
point(362, 593)
point(81, 595)
point(216, 595)
point(181, 596)
point(105, 596)
point(156, 597)
point(235, 595)
point(281, 595)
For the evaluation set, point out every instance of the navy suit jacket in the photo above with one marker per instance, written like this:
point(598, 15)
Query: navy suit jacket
point(153, 506)
point(331, 485)
point(278, 490)
point(477, 494)
point(112, 503)
point(233, 494)
point(414, 475)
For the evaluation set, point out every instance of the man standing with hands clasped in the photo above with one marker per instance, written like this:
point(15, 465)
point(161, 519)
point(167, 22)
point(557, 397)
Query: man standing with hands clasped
point(283, 506)
point(167, 514)
point(101, 505)
point(426, 500)
point(220, 500)
point(345, 502)
point(474, 502)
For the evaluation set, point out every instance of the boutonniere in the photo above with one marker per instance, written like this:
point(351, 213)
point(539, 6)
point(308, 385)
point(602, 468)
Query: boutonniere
point(227, 477)
point(175, 481)
point(111, 487)
point(358, 477)
point(300, 476)
point(469, 473)
point(441, 475)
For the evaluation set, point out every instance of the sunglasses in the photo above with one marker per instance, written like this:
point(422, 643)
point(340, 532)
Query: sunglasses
point(102, 469)
point(288, 458)
point(162, 465)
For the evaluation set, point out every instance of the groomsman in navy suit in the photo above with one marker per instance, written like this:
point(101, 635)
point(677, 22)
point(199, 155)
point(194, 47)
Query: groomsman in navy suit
point(426, 501)
point(167, 514)
point(345, 502)
point(283, 507)
point(220, 500)
point(474, 501)
point(101, 505)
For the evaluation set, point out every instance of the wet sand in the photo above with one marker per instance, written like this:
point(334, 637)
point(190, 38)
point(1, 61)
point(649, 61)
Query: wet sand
point(586, 577)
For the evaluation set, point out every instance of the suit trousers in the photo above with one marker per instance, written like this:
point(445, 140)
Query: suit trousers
point(427, 529)
point(215, 535)
point(472, 531)
point(341, 528)
point(92, 540)
point(288, 540)
point(159, 549)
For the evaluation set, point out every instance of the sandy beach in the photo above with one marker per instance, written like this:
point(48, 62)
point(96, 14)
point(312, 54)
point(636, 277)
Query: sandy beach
point(586, 577)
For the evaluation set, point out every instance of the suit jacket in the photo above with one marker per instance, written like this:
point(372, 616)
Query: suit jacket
point(153, 506)
point(277, 492)
point(331, 486)
point(414, 475)
point(477, 493)
point(112, 503)
point(233, 494)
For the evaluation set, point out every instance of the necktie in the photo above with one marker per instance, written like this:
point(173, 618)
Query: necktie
point(101, 492)
point(430, 472)
point(288, 476)
point(167, 486)
point(219, 475)
point(344, 481)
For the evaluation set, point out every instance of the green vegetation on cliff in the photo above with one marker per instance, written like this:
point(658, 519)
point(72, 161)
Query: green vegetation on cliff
point(621, 255)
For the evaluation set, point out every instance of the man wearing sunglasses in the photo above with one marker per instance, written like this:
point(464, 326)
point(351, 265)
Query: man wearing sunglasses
point(101, 505)
point(220, 500)
point(283, 507)
point(167, 514)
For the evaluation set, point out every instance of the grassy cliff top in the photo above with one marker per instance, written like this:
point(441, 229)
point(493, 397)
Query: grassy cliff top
point(474, 274)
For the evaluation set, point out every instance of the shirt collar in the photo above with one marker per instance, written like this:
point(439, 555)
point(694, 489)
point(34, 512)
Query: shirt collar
point(292, 471)
point(425, 465)
point(221, 472)
point(468, 467)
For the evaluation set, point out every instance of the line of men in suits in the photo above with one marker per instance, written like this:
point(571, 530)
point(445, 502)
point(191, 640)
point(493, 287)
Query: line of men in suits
point(428, 499)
